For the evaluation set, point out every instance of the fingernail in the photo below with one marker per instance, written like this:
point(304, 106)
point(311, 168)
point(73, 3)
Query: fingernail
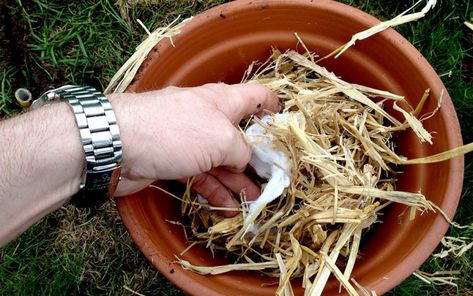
point(230, 204)
point(229, 214)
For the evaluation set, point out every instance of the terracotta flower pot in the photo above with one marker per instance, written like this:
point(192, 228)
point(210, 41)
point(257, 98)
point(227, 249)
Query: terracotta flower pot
point(218, 45)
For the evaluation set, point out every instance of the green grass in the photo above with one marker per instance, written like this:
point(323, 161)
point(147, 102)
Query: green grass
point(86, 252)
point(78, 252)
point(7, 105)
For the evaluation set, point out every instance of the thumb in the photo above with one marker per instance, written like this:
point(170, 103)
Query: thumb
point(237, 150)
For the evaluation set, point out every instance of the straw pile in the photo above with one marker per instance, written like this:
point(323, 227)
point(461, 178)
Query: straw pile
point(339, 140)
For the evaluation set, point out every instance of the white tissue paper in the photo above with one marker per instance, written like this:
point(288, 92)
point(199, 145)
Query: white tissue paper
point(269, 163)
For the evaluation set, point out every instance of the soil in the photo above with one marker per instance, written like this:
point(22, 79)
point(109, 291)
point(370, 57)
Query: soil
point(14, 52)
point(8, 43)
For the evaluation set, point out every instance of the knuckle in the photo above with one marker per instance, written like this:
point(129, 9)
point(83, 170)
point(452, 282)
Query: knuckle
point(229, 137)
point(209, 190)
point(234, 143)
point(201, 181)
point(215, 197)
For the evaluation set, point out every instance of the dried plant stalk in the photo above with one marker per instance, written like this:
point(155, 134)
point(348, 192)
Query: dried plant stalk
point(125, 75)
point(398, 20)
point(340, 142)
point(469, 25)
point(438, 278)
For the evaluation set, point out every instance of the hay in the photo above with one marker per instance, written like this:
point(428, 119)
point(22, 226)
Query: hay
point(469, 25)
point(339, 141)
point(438, 278)
point(398, 20)
point(454, 246)
point(125, 75)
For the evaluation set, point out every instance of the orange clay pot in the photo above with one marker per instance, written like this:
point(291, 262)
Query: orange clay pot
point(218, 45)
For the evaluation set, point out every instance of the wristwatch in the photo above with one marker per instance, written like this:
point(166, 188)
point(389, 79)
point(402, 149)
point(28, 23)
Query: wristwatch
point(100, 138)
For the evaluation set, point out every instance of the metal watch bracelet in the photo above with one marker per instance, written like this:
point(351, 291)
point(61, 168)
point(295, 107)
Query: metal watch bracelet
point(100, 139)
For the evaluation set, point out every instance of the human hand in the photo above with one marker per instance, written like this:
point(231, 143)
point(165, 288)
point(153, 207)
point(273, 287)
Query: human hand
point(175, 133)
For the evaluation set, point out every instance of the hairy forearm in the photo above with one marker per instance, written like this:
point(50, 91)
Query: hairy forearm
point(41, 161)
point(173, 133)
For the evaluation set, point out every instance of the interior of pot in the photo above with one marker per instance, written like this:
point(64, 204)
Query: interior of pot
point(218, 46)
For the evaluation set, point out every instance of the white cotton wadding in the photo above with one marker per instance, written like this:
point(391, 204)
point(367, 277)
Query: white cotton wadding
point(269, 163)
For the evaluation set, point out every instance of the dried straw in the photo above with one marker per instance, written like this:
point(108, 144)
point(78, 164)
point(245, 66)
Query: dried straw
point(398, 20)
point(125, 75)
point(339, 139)
point(454, 246)
point(438, 278)
point(469, 25)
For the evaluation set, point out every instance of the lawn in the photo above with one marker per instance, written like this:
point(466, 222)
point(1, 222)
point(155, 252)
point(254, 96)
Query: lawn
point(46, 44)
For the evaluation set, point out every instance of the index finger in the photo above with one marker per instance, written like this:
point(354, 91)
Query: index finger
point(239, 101)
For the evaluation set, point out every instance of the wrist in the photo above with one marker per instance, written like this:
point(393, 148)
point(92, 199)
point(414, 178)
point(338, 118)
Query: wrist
point(127, 108)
